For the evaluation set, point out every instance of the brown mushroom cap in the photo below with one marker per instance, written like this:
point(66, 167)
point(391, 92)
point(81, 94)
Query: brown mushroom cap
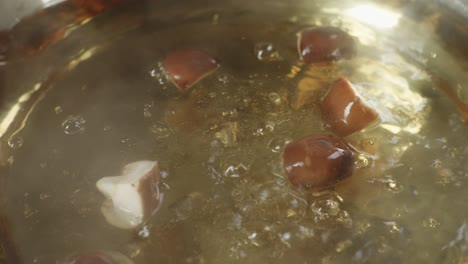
point(323, 44)
point(317, 161)
point(186, 67)
point(343, 111)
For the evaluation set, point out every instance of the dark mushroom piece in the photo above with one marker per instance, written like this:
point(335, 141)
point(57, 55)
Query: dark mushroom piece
point(317, 161)
point(324, 44)
point(98, 258)
point(186, 67)
point(132, 197)
point(343, 111)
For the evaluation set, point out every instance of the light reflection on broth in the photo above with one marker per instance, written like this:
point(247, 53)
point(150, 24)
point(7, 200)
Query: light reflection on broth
point(219, 147)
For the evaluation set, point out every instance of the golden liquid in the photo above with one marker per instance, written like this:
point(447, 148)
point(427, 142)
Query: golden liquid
point(225, 196)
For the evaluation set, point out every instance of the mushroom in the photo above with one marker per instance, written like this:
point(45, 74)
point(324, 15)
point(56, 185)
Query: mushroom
point(343, 111)
point(132, 197)
point(110, 257)
point(324, 44)
point(317, 161)
point(187, 66)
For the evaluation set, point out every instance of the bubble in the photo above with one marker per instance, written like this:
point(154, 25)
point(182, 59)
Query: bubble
point(274, 98)
point(160, 131)
point(224, 79)
point(58, 110)
point(362, 226)
point(236, 170)
point(213, 127)
point(263, 195)
point(231, 115)
point(362, 161)
point(344, 218)
point(259, 132)
point(269, 127)
point(44, 196)
point(154, 73)
point(275, 147)
point(147, 110)
point(285, 237)
point(144, 232)
point(266, 51)
point(253, 237)
point(343, 245)
point(436, 164)
point(15, 142)
point(158, 74)
point(324, 209)
point(390, 184)
point(430, 223)
point(393, 186)
point(277, 144)
point(393, 227)
point(74, 125)
point(266, 127)
point(305, 232)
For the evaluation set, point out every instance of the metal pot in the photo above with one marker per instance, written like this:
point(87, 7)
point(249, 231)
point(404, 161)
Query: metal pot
point(42, 40)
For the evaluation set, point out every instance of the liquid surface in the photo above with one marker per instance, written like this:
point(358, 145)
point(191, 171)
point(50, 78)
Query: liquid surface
point(225, 196)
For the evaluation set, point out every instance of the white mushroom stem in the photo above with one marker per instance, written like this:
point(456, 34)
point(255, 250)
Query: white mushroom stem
point(132, 197)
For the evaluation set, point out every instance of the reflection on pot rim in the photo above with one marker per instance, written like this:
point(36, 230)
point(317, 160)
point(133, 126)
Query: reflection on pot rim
point(374, 16)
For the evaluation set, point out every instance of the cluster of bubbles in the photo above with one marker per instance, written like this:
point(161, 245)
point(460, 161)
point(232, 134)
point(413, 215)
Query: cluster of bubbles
point(266, 51)
point(158, 74)
point(74, 125)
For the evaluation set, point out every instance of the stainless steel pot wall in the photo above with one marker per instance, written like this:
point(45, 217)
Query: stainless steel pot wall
point(14, 11)
point(53, 21)
point(41, 40)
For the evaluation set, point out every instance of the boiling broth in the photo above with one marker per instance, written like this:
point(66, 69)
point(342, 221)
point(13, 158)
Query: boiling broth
point(225, 196)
